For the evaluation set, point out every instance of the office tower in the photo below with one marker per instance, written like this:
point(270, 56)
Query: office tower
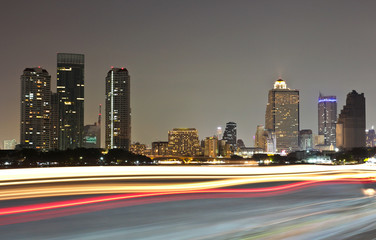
point(70, 89)
point(351, 124)
point(327, 113)
point(282, 116)
point(54, 134)
point(370, 138)
point(211, 147)
point(35, 108)
point(10, 144)
point(118, 109)
point(230, 135)
point(240, 143)
point(159, 148)
point(305, 139)
point(183, 142)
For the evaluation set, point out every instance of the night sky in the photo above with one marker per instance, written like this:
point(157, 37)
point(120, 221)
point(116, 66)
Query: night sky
point(194, 63)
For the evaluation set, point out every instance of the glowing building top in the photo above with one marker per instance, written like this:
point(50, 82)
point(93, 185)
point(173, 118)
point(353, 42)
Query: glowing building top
point(280, 84)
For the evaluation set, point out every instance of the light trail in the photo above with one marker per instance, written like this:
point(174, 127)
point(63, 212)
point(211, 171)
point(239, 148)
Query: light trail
point(123, 187)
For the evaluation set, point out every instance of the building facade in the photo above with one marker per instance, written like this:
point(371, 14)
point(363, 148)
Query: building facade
point(54, 134)
point(370, 138)
point(327, 118)
point(118, 109)
point(211, 147)
point(159, 148)
point(282, 116)
point(230, 135)
point(10, 144)
point(35, 108)
point(306, 139)
point(70, 90)
point(183, 142)
point(351, 124)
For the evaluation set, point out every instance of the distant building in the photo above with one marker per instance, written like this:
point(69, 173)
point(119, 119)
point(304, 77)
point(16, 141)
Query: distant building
point(183, 142)
point(261, 138)
point(282, 116)
point(92, 136)
point(248, 152)
point(118, 109)
point(240, 143)
point(54, 134)
point(327, 113)
point(35, 108)
point(10, 144)
point(211, 147)
point(351, 123)
point(70, 90)
point(230, 135)
point(305, 139)
point(224, 149)
point(92, 133)
point(138, 148)
point(159, 148)
point(370, 138)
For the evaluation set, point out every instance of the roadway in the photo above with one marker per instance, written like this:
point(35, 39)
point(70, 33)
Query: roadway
point(176, 202)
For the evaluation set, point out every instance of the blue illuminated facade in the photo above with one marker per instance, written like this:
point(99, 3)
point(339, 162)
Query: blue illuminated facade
point(327, 119)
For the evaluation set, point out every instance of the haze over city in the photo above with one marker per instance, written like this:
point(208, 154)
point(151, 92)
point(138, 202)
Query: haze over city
point(193, 63)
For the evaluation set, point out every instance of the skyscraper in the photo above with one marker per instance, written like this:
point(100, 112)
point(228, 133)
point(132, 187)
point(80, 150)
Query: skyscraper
point(118, 109)
point(351, 124)
point(35, 108)
point(230, 135)
point(70, 89)
point(327, 113)
point(282, 116)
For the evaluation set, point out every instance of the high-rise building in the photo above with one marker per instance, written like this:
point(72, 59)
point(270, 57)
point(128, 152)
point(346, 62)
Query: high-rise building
point(183, 142)
point(224, 148)
point(54, 134)
point(351, 124)
point(118, 109)
point(370, 138)
point(211, 147)
point(70, 89)
point(10, 144)
point(230, 135)
point(282, 116)
point(35, 108)
point(305, 139)
point(327, 112)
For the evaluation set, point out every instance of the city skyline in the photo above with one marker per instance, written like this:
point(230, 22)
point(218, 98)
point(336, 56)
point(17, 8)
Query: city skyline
point(225, 66)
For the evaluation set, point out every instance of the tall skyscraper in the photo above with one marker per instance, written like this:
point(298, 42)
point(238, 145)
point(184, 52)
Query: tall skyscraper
point(118, 109)
point(351, 124)
point(282, 116)
point(35, 108)
point(327, 112)
point(70, 89)
point(183, 142)
point(230, 135)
